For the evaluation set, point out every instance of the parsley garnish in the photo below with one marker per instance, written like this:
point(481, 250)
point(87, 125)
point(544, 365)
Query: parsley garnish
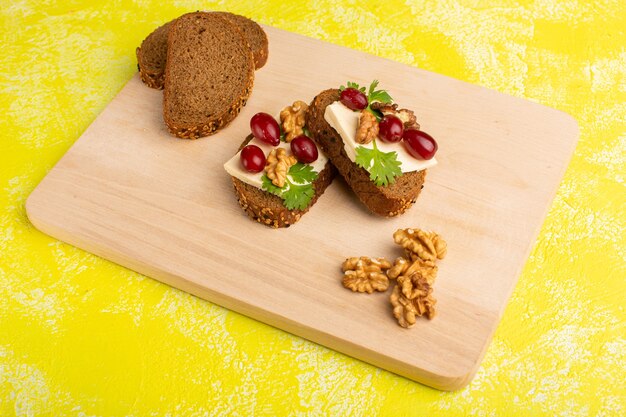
point(302, 173)
point(383, 167)
point(378, 95)
point(298, 189)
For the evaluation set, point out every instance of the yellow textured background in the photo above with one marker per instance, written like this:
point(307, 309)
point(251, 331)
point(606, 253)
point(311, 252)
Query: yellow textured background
point(80, 336)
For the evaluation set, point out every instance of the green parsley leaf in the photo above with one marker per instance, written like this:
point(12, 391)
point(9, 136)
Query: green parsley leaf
point(383, 167)
point(378, 95)
point(269, 186)
point(298, 196)
point(298, 189)
point(302, 173)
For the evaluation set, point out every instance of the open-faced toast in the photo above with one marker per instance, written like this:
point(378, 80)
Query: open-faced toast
point(384, 198)
point(273, 197)
point(269, 209)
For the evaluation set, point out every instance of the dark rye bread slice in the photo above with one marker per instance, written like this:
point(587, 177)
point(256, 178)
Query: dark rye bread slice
point(254, 34)
point(268, 209)
point(152, 54)
point(388, 201)
point(208, 75)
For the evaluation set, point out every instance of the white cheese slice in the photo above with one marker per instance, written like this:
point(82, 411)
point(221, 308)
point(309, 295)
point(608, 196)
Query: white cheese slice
point(233, 165)
point(346, 122)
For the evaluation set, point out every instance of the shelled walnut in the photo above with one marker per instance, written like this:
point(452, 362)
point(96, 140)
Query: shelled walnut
point(406, 310)
point(400, 265)
point(403, 267)
point(277, 166)
point(414, 285)
point(368, 128)
point(292, 119)
point(364, 274)
point(425, 245)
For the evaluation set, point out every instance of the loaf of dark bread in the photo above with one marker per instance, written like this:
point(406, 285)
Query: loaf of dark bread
point(268, 209)
point(208, 74)
point(388, 201)
point(152, 54)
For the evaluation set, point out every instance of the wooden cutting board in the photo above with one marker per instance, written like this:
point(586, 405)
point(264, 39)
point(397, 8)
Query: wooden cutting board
point(131, 193)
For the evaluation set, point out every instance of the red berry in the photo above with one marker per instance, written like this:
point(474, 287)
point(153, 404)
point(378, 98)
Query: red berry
point(353, 99)
point(419, 144)
point(252, 158)
point(264, 127)
point(390, 128)
point(304, 149)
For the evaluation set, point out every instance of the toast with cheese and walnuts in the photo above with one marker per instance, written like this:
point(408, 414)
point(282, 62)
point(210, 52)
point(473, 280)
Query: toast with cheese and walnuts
point(388, 200)
point(277, 178)
point(269, 209)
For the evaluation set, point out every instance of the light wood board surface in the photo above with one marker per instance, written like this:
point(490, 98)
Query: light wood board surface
point(131, 193)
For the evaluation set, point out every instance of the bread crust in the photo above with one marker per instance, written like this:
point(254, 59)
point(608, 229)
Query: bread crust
point(388, 201)
point(185, 130)
point(268, 209)
point(151, 79)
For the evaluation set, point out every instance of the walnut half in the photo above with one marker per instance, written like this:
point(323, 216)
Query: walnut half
point(403, 267)
point(424, 245)
point(277, 166)
point(407, 310)
point(292, 119)
point(368, 128)
point(365, 274)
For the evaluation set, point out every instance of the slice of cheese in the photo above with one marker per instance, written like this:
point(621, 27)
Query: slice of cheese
point(346, 122)
point(233, 165)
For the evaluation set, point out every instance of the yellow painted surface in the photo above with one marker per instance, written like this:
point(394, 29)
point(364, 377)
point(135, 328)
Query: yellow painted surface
point(80, 336)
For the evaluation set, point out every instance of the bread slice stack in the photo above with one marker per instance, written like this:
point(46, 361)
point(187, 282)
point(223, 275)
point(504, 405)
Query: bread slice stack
point(152, 54)
point(205, 62)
